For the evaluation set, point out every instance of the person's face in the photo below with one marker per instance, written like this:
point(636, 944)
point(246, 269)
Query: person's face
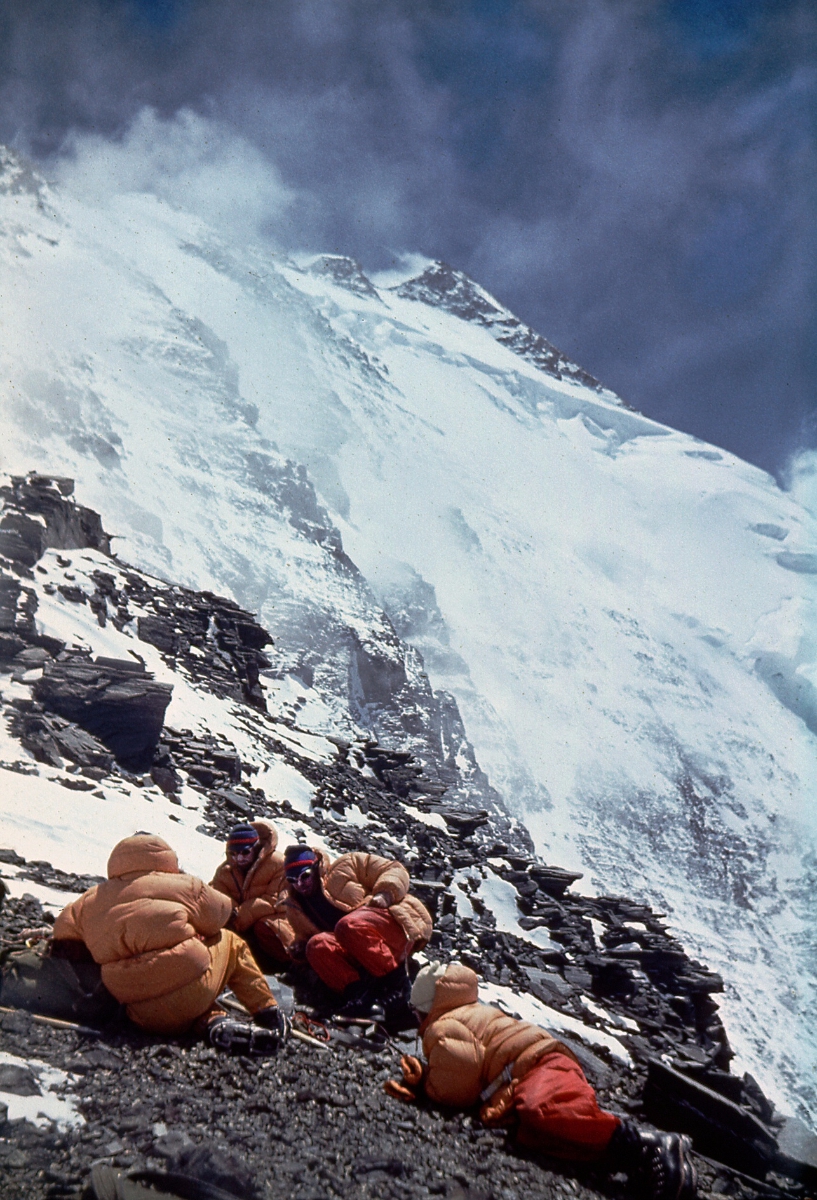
point(305, 883)
point(242, 856)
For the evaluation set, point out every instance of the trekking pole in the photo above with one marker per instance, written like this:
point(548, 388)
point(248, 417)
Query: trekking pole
point(56, 1022)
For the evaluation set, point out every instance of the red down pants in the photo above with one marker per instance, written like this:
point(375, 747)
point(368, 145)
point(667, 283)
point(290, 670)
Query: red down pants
point(558, 1111)
point(366, 937)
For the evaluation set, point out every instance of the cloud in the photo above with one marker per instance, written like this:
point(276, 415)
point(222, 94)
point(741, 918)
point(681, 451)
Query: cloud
point(635, 179)
point(801, 479)
point(186, 160)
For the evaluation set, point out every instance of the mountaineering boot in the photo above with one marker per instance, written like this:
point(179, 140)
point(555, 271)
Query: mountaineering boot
point(659, 1165)
point(360, 1000)
point(666, 1171)
point(395, 998)
point(236, 1037)
point(224, 1033)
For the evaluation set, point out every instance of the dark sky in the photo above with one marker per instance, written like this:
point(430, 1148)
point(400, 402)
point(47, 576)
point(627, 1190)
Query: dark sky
point(635, 178)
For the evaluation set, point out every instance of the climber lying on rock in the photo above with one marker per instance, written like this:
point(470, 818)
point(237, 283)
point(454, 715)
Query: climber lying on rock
point(252, 875)
point(356, 924)
point(160, 940)
point(523, 1076)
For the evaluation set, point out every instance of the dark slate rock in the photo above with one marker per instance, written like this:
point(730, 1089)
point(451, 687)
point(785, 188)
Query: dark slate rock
point(550, 987)
point(77, 785)
point(463, 820)
point(699, 980)
point(553, 880)
point(51, 738)
point(71, 592)
point(579, 978)
point(165, 778)
point(32, 656)
point(19, 1081)
point(22, 539)
point(10, 643)
point(123, 666)
point(123, 709)
point(68, 526)
point(10, 591)
point(718, 1126)
point(727, 1085)
point(158, 632)
point(236, 801)
point(204, 775)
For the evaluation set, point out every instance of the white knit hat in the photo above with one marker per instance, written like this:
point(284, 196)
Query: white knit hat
point(425, 985)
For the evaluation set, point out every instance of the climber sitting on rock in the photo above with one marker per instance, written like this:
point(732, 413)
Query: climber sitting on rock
point(356, 924)
point(160, 940)
point(252, 875)
point(522, 1076)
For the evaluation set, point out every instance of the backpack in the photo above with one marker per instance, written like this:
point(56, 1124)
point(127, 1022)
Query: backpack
point(54, 987)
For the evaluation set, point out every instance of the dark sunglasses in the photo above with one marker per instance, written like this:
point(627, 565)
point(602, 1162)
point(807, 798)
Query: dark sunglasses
point(292, 875)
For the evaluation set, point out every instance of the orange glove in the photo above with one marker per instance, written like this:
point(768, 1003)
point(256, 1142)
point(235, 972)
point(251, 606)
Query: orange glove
point(499, 1109)
point(413, 1072)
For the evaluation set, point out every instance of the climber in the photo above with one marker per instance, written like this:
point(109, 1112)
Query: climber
point(252, 875)
point(356, 924)
point(160, 940)
point(524, 1077)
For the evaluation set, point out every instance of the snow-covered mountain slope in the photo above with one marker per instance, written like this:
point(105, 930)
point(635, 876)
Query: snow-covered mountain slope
point(621, 616)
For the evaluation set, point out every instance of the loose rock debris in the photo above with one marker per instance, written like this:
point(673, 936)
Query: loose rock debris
point(310, 1123)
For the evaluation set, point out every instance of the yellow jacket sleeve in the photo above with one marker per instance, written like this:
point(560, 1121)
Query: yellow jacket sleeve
point(377, 874)
point(455, 1059)
point(210, 910)
point(68, 925)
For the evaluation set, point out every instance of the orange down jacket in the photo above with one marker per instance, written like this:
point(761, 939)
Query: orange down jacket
point(351, 880)
point(467, 1044)
point(261, 892)
point(146, 924)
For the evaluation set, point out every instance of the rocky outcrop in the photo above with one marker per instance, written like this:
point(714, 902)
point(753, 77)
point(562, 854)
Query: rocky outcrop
point(88, 710)
point(345, 272)
point(119, 702)
point(38, 513)
point(51, 739)
point(443, 287)
point(218, 643)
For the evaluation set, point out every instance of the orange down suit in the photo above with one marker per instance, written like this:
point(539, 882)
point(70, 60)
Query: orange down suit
point(353, 879)
point(468, 1045)
point(158, 936)
point(258, 896)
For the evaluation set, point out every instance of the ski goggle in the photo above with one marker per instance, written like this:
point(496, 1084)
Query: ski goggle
point(299, 870)
point(241, 849)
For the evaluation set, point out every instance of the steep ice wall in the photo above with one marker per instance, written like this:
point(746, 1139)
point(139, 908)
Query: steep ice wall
point(623, 615)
